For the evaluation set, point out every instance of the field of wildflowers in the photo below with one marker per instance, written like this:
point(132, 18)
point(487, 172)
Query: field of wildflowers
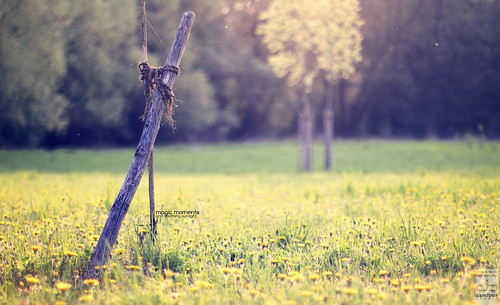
point(385, 236)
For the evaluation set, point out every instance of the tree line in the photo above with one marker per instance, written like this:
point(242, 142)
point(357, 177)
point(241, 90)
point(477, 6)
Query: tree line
point(428, 68)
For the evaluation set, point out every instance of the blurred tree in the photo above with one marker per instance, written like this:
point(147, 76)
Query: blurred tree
point(305, 38)
point(201, 115)
point(339, 44)
point(32, 62)
point(431, 68)
point(102, 54)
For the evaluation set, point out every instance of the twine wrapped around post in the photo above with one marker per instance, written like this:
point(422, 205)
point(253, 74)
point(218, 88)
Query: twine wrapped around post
point(152, 124)
point(151, 76)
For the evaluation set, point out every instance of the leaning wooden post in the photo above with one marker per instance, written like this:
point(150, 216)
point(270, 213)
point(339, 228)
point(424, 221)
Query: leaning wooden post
point(152, 124)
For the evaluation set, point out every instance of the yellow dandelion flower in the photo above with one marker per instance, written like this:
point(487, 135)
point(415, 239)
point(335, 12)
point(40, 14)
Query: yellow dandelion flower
point(167, 273)
point(371, 291)
point(313, 276)
point(63, 286)
point(194, 289)
point(133, 267)
point(204, 284)
point(395, 283)
point(428, 262)
point(119, 251)
point(378, 280)
point(254, 292)
point(274, 261)
point(445, 280)
point(483, 261)
point(91, 282)
point(70, 253)
point(32, 280)
point(444, 258)
point(300, 246)
point(241, 261)
point(405, 288)
point(383, 272)
point(468, 260)
point(60, 303)
point(349, 290)
point(177, 229)
point(282, 276)
point(327, 273)
point(420, 287)
point(85, 298)
point(476, 272)
point(297, 278)
point(345, 260)
point(35, 248)
point(111, 281)
point(338, 275)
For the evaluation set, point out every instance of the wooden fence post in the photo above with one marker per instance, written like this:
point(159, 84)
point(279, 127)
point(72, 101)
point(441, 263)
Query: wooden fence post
point(152, 124)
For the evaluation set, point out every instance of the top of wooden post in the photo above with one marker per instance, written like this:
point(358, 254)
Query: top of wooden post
point(177, 49)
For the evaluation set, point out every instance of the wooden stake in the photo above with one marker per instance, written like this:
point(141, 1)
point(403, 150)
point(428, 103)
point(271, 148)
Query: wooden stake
point(144, 32)
point(152, 124)
point(151, 176)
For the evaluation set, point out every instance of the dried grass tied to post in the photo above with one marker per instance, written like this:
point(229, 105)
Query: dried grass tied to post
point(152, 78)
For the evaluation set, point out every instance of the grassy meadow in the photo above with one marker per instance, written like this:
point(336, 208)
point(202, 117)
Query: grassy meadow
point(395, 222)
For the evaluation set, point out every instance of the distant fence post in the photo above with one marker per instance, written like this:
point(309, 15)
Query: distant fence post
point(152, 124)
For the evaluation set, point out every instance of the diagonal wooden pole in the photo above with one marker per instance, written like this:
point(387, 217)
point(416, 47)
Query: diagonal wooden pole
point(152, 124)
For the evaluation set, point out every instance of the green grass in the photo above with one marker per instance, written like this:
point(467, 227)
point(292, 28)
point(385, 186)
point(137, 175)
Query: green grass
point(350, 157)
point(391, 224)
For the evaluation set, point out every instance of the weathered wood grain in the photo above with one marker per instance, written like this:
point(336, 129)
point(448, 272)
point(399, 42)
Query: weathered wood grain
point(152, 124)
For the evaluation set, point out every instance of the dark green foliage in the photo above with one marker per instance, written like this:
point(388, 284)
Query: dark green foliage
point(69, 72)
point(32, 63)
